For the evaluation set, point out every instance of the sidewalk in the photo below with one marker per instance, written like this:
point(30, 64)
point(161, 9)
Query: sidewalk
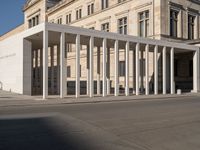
point(12, 99)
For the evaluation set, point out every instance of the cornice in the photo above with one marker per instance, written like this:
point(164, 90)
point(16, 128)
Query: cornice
point(28, 5)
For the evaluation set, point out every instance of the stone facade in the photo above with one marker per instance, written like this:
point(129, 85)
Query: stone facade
point(58, 11)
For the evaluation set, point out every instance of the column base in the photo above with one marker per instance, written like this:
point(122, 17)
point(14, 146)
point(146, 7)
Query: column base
point(195, 91)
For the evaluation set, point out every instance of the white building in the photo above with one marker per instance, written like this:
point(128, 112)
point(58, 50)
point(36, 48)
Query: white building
point(35, 57)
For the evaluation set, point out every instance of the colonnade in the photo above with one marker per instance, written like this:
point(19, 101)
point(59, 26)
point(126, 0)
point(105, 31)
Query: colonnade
point(105, 80)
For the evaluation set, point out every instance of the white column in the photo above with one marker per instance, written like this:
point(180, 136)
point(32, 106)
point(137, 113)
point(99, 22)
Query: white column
point(52, 70)
point(104, 67)
point(77, 65)
point(195, 72)
point(108, 71)
point(172, 70)
point(88, 69)
point(116, 68)
point(164, 71)
point(127, 70)
point(41, 70)
point(133, 71)
point(147, 70)
point(98, 70)
point(36, 69)
point(58, 68)
point(45, 64)
point(62, 66)
point(142, 71)
point(91, 66)
point(137, 63)
point(156, 70)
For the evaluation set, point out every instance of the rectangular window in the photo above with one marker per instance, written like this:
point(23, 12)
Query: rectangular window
point(191, 20)
point(105, 27)
point(29, 23)
point(173, 23)
point(37, 19)
point(104, 4)
point(69, 47)
point(59, 21)
point(90, 8)
point(33, 21)
point(122, 25)
point(68, 71)
point(68, 18)
point(122, 68)
point(78, 14)
point(144, 24)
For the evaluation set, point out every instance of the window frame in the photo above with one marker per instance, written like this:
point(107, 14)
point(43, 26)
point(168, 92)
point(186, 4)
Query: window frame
point(104, 4)
point(122, 68)
point(173, 22)
point(122, 24)
point(78, 13)
point(105, 27)
point(145, 20)
point(68, 18)
point(191, 25)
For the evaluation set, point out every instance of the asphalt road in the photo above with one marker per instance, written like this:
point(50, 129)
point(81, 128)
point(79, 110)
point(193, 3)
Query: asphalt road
point(172, 124)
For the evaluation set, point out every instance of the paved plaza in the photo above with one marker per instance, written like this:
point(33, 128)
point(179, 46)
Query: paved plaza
point(156, 123)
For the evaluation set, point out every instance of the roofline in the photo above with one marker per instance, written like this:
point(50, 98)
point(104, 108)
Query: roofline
point(25, 7)
point(11, 29)
point(108, 35)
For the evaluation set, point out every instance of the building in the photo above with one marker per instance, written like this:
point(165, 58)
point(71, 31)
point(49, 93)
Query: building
point(103, 47)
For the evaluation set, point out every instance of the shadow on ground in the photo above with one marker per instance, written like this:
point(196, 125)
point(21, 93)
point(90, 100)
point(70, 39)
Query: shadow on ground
point(51, 133)
point(32, 134)
point(40, 134)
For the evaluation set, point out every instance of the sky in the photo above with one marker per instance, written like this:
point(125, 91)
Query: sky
point(11, 14)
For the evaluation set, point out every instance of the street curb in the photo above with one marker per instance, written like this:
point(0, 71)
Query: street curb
point(94, 100)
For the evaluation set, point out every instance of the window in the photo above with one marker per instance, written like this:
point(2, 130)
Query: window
point(68, 18)
point(173, 23)
point(69, 47)
point(78, 14)
point(104, 4)
point(144, 24)
point(33, 21)
point(37, 20)
point(122, 68)
point(30, 23)
point(122, 25)
point(59, 21)
point(90, 8)
point(68, 71)
point(105, 27)
point(191, 27)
